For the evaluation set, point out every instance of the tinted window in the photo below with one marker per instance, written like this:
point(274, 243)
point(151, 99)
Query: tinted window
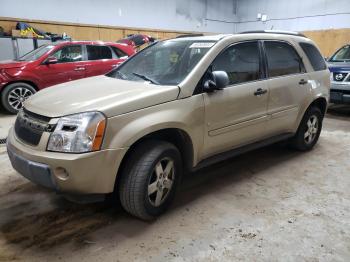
point(96, 52)
point(241, 62)
point(68, 54)
point(119, 53)
point(314, 56)
point(282, 59)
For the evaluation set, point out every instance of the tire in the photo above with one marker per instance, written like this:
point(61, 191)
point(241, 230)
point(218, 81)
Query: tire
point(14, 95)
point(145, 170)
point(309, 130)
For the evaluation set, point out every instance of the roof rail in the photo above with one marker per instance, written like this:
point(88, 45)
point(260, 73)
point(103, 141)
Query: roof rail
point(273, 32)
point(189, 35)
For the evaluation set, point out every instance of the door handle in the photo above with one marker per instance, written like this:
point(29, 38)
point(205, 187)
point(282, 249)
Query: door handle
point(260, 92)
point(79, 69)
point(303, 82)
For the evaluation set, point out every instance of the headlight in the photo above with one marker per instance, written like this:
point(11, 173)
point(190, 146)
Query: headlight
point(78, 133)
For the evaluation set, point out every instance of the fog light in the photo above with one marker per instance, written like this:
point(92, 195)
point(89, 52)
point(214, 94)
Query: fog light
point(61, 173)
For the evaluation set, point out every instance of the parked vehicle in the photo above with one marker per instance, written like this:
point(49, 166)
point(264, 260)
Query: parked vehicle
point(175, 106)
point(339, 65)
point(53, 64)
point(137, 41)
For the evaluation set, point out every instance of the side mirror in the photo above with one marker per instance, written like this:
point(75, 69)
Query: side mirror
point(51, 60)
point(218, 80)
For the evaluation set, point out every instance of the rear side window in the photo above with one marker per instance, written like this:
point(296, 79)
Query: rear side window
point(97, 52)
point(241, 62)
point(282, 59)
point(314, 56)
point(119, 53)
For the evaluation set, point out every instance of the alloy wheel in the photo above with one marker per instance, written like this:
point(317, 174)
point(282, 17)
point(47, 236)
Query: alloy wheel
point(17, 96)
point(312, 129)
point(161, 181)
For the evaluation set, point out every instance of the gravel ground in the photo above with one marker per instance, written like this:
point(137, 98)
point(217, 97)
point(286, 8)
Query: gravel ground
point(273, 204)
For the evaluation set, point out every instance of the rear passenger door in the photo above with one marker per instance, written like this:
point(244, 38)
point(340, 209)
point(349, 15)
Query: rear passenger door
point(288, 84)
point(236, 115)
point(100, 60)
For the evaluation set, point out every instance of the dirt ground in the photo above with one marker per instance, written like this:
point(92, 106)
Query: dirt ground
point(273, 204)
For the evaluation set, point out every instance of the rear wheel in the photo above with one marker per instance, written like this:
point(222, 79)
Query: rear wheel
point(309, 130)
point(150, 178)
point(14, 95)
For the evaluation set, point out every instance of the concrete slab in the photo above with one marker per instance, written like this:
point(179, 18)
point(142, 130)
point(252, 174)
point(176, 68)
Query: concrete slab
point(6, 121)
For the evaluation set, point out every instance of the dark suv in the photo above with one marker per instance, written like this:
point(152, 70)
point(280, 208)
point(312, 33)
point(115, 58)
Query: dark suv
point(339, 65)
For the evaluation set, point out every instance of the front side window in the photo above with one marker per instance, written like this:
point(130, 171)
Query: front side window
point(164, 63)
point(316, 59)
point(342, 55)
point(282, 59)
point(241, 62)
point(69, 54)
point(98, 52)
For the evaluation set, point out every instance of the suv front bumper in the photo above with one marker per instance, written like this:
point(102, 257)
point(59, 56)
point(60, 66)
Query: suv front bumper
point(340, 93)
point(85, 174)
point(36, 172)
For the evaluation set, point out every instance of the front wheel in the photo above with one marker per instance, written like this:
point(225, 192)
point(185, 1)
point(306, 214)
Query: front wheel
point(14, 95)
point(309, 130)
point(150, 178)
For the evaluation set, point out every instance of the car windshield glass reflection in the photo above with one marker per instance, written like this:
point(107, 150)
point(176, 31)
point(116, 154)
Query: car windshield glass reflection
point(164, 63)
point(342, 55)
point(36, 53)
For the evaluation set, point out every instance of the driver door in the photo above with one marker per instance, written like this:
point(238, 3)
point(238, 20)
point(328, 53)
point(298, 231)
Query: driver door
point(70, 66)
point(236, 115)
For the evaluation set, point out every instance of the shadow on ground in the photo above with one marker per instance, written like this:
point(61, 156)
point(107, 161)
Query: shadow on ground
point(339, 112)
point(27, 226)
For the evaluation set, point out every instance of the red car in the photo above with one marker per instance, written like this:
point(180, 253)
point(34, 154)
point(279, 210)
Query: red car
point(53, 64)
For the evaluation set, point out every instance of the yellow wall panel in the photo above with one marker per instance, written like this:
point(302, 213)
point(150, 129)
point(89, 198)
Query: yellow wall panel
point(329, 40)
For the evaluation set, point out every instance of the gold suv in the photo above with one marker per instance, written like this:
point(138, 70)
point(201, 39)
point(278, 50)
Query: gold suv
point(176, 106)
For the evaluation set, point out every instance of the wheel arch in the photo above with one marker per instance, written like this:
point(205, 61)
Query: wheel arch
point(321, 103)
point(178, 137)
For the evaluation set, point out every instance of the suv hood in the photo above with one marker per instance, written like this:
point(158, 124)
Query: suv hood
point(8, 64)
point(338, 66)
point(101, 93)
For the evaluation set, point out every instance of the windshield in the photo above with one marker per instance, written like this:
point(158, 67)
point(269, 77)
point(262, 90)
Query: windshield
point(164, 63)
point(36, 53)
point(342, 55)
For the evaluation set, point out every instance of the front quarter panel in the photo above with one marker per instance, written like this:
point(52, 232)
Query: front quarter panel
point(184, 114)
point(25, 73)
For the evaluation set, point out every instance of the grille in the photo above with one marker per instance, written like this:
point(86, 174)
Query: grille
point(29, 127)
point(2, 141)
point(346, 92)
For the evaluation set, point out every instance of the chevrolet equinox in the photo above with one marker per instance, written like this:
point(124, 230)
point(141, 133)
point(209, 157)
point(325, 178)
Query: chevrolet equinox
point(176, 106)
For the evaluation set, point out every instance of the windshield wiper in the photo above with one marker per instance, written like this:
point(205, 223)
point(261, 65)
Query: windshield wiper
point(146, 78)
